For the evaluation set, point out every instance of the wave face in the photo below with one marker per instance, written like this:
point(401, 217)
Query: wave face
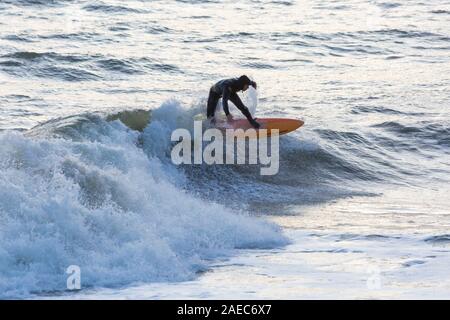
point(308, 171)
point(85, 194)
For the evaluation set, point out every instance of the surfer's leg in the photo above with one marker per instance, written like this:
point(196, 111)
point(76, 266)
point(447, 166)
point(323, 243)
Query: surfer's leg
point(212, 103)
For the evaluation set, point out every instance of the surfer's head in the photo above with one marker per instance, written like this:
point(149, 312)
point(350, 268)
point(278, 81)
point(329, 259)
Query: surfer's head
point(243, 82)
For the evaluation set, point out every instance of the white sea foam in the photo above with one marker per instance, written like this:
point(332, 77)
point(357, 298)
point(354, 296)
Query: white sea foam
point(103, 204)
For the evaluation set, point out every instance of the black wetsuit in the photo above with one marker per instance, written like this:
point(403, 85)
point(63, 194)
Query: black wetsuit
point(226, 89)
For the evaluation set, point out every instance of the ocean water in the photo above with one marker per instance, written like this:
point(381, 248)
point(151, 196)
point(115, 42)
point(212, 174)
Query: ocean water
point(90, 92)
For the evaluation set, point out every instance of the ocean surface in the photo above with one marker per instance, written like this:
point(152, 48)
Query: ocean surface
point(90, 92)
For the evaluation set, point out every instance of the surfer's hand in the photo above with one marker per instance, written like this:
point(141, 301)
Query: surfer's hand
point(230, 117)
point(255, 124)
point(253, 84)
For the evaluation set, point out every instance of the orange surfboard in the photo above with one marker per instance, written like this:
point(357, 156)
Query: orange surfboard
point(269, 124)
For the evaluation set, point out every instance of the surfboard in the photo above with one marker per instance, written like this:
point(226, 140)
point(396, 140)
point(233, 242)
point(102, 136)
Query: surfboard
point(270, 124)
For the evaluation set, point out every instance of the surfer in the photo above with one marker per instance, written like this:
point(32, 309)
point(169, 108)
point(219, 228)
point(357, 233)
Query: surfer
point(227, 90)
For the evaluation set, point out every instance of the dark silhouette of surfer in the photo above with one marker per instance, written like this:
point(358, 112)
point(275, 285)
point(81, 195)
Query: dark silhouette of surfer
point(227, 90)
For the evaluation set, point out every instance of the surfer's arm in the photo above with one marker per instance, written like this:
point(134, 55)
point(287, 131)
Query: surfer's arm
point(241, 106)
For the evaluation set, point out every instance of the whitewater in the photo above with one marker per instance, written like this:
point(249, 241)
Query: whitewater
point(90, 92)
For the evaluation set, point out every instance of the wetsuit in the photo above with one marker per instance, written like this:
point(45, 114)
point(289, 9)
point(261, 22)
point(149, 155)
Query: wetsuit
point(226, 89)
